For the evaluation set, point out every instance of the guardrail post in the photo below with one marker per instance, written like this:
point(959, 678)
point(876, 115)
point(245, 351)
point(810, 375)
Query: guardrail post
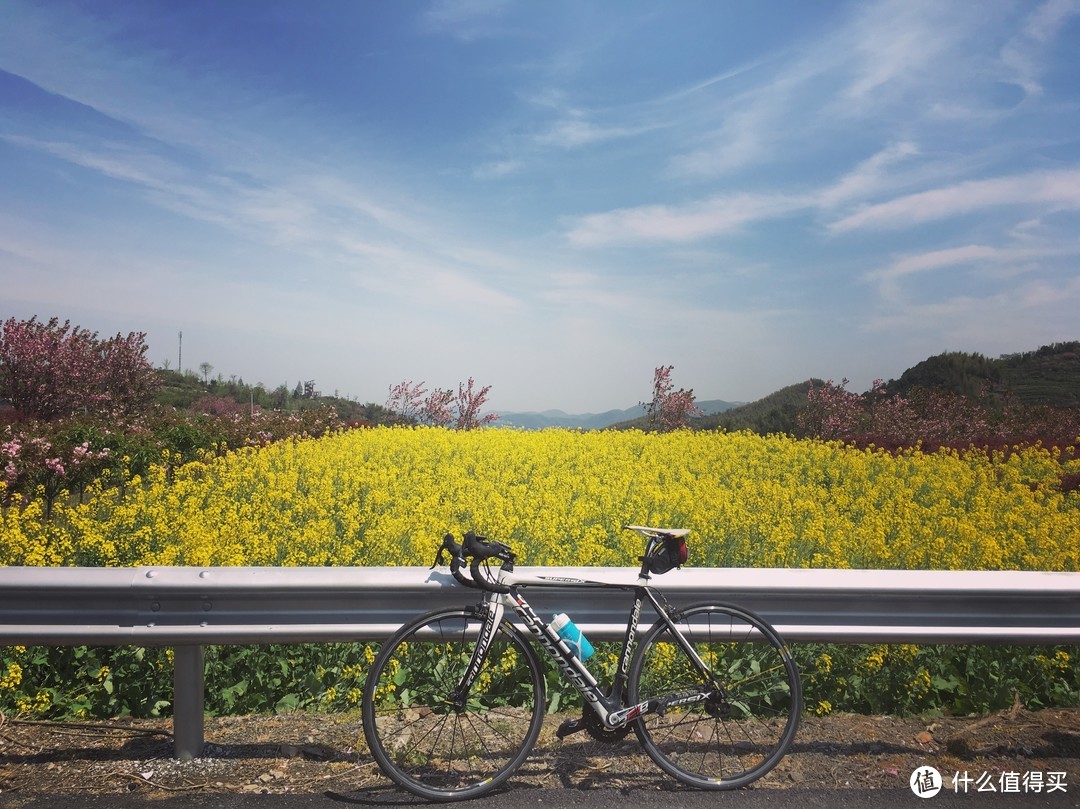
point(188, 702)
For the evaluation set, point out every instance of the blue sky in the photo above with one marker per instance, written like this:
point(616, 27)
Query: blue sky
point(553, 198)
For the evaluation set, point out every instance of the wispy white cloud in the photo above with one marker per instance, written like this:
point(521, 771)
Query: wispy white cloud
point(498, 168)
point(958, 256)
point(84, 58)
point(573, 132)
point(465, 20)
point(1024, 55)
point(580, 293)
point(745, 138)
point(899, 58)
point(314, 214)
point(874, 59)
point(116, 161)
point(1047, 20)
point(447, 289)
point(867, 177)
point(686, 223)
point(1034, 312)
point(982, 261)
point(566, 122)
point(1058, 189)
point(897, 42)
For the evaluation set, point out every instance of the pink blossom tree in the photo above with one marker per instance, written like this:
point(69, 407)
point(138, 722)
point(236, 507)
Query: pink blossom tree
point(34, 462)
point(468, 406)
point(832, 412)
point(52, 371)
point(406, 400)
point(669, 409)
point(438, 408)
point(891, 419)
point(412, 403)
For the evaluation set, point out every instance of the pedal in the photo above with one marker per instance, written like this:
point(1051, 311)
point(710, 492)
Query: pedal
point(569, 727)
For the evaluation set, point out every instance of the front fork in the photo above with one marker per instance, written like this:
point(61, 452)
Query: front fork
point(492, 609)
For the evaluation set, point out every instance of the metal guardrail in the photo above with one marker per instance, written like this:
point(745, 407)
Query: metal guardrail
point(189, 608)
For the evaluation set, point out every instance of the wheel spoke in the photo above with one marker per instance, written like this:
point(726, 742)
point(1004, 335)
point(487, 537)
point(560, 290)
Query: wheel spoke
point(425, 743)
point(732, 737)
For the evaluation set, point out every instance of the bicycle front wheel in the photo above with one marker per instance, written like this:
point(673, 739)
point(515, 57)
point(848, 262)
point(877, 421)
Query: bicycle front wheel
point(745, 725)
point(435, 742)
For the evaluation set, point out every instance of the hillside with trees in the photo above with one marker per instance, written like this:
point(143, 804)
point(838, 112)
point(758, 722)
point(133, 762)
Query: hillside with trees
point(1025, 389)
point(1048, 376)
point(774, 414)
point(189, 391)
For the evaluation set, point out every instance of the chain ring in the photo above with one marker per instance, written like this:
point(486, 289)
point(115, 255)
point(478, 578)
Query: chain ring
point(596, 728)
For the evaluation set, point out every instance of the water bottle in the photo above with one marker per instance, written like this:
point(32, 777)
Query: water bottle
point(566, 629)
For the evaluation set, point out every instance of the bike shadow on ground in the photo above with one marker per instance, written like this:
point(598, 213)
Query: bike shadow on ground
point(581, 767)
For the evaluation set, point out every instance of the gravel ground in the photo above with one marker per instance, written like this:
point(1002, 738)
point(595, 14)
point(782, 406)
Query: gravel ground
point(317, 753)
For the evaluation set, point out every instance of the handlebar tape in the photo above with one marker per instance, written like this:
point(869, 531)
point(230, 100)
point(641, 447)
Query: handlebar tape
point(484, 582)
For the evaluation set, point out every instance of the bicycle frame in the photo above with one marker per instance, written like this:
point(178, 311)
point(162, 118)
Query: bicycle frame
point(609, 707)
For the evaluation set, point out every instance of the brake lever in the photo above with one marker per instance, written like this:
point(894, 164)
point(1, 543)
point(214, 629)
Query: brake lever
point(448, 544)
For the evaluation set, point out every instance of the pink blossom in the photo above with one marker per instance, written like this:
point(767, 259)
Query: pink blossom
point(669, 409)
point(52, 371)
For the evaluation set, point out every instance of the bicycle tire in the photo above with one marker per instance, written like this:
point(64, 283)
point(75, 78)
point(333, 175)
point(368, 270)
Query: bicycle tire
point(729, 740)
point(427, 746)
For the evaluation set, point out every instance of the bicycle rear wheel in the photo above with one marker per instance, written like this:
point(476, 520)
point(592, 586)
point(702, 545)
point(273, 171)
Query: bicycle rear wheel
point(743, 729)
point(425, 742)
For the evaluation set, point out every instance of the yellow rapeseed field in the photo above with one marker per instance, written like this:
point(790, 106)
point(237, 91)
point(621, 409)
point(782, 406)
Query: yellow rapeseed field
point(385, 496)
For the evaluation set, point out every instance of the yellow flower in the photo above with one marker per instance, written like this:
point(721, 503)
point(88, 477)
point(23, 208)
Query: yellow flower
point(920, 685)
point(824, 663)
point(12, 678)
point(874, 659)
point(384, 497)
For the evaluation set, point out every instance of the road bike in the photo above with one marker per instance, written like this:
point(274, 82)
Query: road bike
point(455, 701)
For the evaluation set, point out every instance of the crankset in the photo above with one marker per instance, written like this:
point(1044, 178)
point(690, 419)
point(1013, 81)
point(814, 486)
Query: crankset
point(592, 724)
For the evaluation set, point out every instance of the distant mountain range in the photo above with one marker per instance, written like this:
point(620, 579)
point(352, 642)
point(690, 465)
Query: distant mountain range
point(592, 421)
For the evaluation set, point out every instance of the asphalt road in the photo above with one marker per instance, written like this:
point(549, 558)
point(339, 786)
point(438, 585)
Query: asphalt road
point(567, 798)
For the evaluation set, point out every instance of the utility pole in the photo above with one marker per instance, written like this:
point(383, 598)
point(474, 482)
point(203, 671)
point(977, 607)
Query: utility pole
point(180, 354)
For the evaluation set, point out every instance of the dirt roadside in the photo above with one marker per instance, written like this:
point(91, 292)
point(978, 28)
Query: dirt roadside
point(316, 753)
